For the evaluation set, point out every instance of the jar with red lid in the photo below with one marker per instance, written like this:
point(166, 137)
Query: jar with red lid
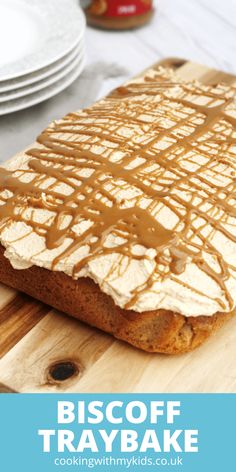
point(118, 14)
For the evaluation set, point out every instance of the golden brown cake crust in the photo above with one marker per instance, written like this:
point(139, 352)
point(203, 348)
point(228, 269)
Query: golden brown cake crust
point(154, 331)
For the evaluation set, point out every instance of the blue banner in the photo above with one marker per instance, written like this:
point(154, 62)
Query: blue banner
point(137, 432)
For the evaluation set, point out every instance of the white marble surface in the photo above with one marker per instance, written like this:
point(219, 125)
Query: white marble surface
point(200, 30)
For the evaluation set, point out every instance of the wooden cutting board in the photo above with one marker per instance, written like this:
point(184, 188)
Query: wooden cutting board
point(43, 350)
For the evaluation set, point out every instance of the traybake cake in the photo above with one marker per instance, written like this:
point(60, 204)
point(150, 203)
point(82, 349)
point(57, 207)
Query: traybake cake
point(123, 214)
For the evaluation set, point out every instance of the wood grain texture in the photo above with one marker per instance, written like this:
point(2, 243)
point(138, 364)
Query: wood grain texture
point(45, 351)
point(17, 318)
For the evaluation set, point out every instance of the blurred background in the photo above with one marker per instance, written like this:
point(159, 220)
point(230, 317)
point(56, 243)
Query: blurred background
point(201, 30)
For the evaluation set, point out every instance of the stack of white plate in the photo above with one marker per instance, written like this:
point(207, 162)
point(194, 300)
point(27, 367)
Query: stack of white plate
point(41, 50)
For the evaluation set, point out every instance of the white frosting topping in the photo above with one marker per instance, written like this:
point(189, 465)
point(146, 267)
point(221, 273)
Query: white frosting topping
point(192, 292)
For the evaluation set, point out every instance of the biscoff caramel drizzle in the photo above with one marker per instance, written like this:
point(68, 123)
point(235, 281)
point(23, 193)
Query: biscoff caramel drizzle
point(114, 125)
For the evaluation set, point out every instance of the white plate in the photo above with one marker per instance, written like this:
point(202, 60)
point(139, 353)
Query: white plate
point(42, 84)
point(28, 79)
point(36, 33)
point(38, 97)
